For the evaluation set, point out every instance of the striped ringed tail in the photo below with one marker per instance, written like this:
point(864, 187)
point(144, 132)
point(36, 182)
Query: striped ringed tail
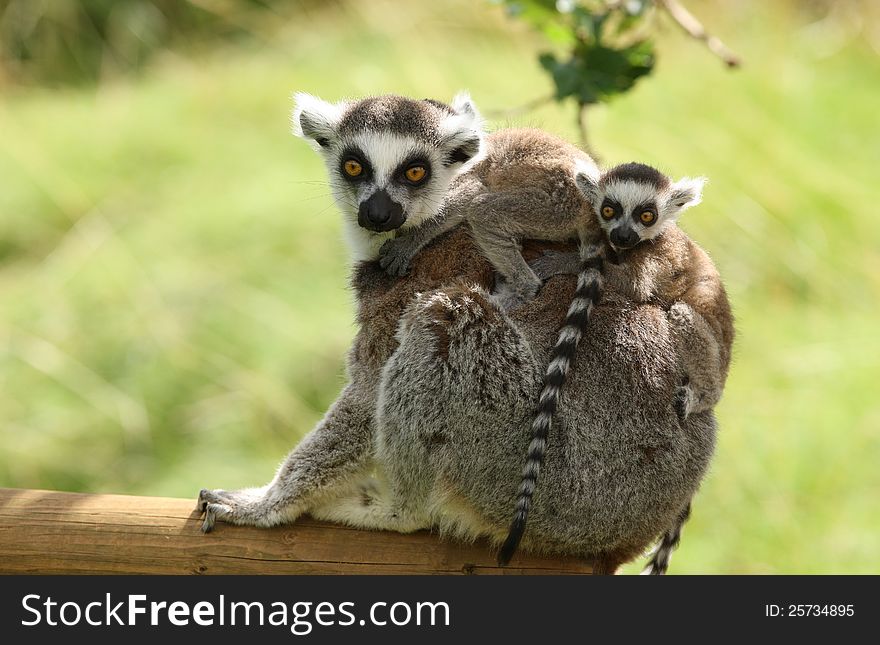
point(659, 562)
point(586, 297)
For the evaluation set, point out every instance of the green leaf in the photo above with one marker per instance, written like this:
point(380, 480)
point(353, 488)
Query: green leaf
point(597, 73)
point(591, 69)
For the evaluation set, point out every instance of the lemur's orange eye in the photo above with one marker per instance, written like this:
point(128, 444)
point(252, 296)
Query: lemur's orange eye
point(415, 174)
point(607, 212)
point(647, 217)
point(353, 168)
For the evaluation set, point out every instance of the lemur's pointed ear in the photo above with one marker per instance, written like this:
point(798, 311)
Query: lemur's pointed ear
point(462, 131)
point(314, 119)
point(587, 180)
point(686, 192)
point(464, 104)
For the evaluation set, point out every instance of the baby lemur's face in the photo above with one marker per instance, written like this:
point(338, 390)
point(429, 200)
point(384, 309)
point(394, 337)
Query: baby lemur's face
point(635, 202)
point(390, 159)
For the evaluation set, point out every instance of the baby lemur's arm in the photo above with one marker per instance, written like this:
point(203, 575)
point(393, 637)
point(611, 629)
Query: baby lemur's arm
point(699, 355)
point(553, 263)
point(676, 273)
point(678, 281)
point(499, 221)
point(703, 327)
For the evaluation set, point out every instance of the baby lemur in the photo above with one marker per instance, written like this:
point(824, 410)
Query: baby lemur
point(522, 187)
point(636, 203)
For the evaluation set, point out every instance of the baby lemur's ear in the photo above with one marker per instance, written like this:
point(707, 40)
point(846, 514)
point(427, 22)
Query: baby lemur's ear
point(588, 183)
point(686, 192)
point(464, 104)
point(314, 119)
point(462, 131)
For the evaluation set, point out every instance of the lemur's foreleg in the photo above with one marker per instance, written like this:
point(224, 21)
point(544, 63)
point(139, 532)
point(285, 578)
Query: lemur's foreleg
point(324, 465)
point(499, 221)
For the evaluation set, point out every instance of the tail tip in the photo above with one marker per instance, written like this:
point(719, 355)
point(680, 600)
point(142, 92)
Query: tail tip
point(505, 553)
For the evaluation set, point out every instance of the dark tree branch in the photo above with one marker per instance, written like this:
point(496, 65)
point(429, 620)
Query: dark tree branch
point(582, 130)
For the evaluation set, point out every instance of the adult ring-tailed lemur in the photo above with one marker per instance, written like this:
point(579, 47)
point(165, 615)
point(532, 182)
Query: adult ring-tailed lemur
point(439, 374)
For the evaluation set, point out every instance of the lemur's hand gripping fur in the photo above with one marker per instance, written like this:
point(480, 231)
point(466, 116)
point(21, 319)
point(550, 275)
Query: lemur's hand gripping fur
point(507, 296)
point(396, 254)
point(683, 401)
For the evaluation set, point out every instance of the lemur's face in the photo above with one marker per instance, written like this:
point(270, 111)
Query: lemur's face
point(390, 159)
point(635, 202)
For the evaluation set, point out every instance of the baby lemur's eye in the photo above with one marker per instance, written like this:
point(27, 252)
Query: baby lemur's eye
point(647, 217)
point(608, 212)
point(353, 168)
point(415, 174)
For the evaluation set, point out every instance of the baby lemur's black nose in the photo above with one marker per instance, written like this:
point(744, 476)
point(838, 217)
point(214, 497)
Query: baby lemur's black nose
point(624, 237)
point(380, 213)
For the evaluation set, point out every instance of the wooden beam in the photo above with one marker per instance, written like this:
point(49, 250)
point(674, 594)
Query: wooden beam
point(49, 532)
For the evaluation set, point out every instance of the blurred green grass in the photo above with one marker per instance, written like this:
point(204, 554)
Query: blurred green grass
point(173, 302)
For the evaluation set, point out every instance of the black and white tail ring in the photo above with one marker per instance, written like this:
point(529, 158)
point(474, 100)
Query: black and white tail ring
point(659, 562)
point(586, 297)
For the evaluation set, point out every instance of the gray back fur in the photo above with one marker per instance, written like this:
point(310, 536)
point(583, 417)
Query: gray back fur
point(455, 425)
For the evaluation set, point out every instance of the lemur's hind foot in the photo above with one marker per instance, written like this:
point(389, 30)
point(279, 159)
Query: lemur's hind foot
point(508, 296)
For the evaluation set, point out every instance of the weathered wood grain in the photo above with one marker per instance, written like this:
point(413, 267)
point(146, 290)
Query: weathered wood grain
point(45, 532)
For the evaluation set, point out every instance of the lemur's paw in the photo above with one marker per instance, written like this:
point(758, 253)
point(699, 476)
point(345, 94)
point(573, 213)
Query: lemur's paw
point(210, 506)
point(684, 401)
point(235, 507)
point(507, 299)
point(394, 257)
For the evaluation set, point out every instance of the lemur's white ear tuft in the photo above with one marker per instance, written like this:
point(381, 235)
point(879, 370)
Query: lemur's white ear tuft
point(587, 182)
point(464, 104)
point(314, 119)
point(462, 131)
point(686, 192)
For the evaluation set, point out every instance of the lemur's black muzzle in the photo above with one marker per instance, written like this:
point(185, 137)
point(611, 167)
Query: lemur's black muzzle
point(380, 213)
point(623, 237)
